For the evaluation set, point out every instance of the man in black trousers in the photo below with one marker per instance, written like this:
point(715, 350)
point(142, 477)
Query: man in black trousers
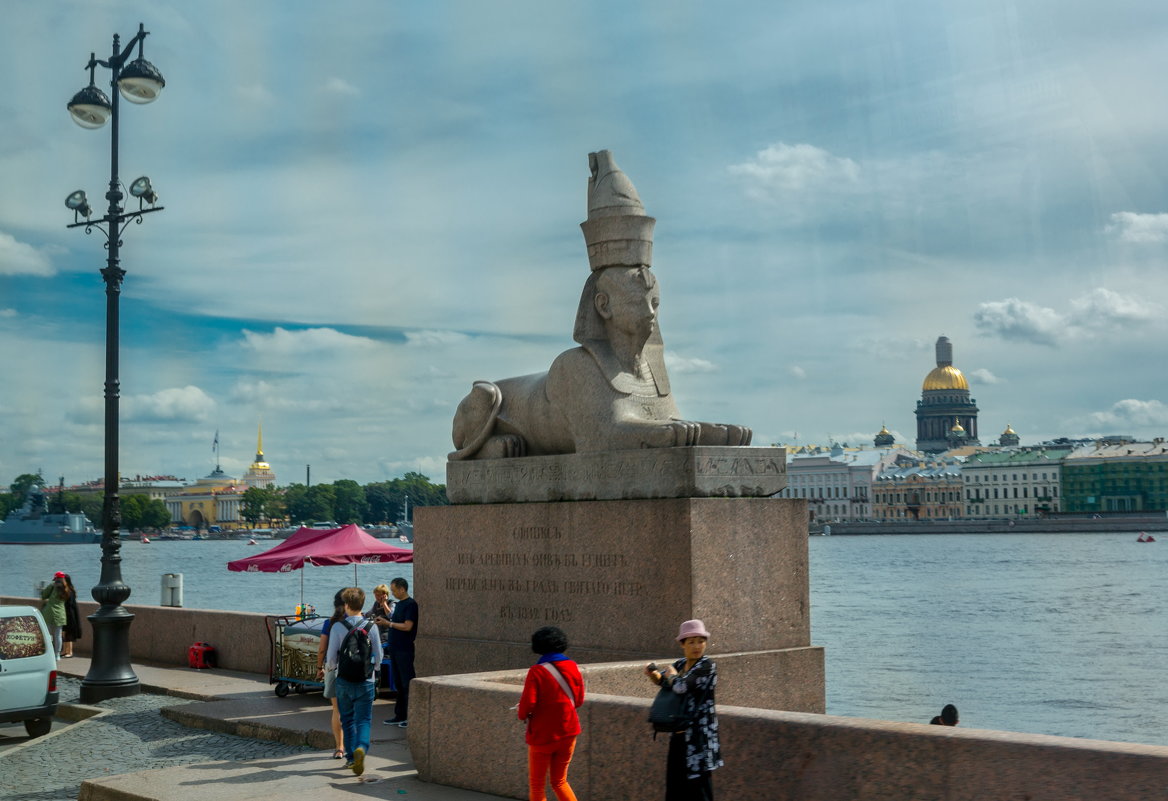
point(403, 630)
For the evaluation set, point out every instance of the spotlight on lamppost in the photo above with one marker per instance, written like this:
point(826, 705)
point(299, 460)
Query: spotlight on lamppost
point(79, 204)
point(110, 674)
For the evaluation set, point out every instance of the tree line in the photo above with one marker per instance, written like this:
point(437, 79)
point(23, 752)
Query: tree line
point(343, 501)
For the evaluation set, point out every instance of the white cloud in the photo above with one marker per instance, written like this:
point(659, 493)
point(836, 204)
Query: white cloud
point(1133, 412)
point(282, 342)
point(1013, 318)
point(9, 313)
point(18, 258)
point(680, 364)
point(435, 338)
point(1130, 226)
point(255, 93)
point(187, 404)
point(795, 371)
point(782, 169)
point(339, 86)
point(1100, 310)
point(984, 376)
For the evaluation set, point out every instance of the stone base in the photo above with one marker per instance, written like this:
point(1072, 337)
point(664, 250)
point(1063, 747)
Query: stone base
point(617, 576)
point(699, 472)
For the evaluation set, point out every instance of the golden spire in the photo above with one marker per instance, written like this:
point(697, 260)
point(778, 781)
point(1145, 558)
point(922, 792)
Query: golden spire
point(260, 444)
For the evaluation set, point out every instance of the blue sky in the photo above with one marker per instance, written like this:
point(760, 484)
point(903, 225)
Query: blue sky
point(369, 205)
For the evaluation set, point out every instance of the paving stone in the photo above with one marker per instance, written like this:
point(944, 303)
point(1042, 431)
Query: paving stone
point(132, 737)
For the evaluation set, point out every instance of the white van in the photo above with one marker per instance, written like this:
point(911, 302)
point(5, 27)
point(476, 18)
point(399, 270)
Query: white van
point(28, 670)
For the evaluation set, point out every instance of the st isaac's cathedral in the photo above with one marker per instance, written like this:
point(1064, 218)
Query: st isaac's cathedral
point(946, 415)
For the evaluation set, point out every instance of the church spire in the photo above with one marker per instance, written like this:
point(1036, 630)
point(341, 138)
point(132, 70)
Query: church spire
point(260, 444)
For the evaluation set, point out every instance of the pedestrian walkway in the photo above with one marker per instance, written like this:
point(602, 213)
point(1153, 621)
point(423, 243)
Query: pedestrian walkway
point(223, 731)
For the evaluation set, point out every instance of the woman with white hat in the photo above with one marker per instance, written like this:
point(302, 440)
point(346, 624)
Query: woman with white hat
point(694, 751)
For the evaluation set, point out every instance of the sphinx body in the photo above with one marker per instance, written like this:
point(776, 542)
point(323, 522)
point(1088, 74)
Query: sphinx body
point(612, 392)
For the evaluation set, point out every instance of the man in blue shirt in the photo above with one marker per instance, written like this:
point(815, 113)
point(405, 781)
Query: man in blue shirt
point(354, 698)
point(403, 630)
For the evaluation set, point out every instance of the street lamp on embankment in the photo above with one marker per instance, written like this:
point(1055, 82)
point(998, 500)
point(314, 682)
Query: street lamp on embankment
point(110, 674)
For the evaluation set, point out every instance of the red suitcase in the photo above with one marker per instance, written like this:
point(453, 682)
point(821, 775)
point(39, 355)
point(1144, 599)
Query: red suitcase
point(201, 656)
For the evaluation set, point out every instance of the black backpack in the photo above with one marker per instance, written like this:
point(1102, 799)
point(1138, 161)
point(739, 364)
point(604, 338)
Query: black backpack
point(355, 657)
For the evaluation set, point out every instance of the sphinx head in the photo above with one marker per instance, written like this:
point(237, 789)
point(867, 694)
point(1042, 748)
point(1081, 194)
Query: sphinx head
point(619, 299)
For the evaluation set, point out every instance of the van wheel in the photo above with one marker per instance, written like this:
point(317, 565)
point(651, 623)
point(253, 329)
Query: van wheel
point(38, 727)
point(281, 689)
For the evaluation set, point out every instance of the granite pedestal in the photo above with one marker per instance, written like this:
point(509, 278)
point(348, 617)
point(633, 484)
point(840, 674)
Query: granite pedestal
point(619, 576)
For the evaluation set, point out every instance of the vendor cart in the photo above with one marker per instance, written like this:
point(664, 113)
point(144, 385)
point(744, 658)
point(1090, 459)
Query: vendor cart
point(295, 644)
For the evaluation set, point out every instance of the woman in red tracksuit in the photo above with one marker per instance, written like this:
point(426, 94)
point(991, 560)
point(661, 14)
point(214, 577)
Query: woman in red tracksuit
point(551, 694)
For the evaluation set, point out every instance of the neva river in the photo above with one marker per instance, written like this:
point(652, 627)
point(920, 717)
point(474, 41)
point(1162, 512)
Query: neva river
point(1050, 633)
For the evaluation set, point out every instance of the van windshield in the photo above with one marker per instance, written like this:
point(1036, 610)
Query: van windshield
point(20, 637)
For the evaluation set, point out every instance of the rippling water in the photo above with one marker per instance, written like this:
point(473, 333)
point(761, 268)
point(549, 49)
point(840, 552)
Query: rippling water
point(1051, 633)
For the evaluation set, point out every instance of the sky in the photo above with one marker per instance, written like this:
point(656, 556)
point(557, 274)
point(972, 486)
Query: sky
point(370, 205)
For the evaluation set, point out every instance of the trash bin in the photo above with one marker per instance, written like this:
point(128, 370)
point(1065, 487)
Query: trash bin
point(172, 589)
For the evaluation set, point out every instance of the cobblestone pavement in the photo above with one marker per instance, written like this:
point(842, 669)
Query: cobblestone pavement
point(132, 737)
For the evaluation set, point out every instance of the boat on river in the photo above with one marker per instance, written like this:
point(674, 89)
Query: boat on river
point(34, 524)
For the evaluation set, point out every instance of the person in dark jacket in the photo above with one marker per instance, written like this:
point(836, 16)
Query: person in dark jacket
point(694, 752)
point(948, 716)
point(72, 631)
point(552, 692)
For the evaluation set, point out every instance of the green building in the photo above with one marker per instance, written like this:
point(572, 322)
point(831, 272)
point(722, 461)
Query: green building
point(1116, 477)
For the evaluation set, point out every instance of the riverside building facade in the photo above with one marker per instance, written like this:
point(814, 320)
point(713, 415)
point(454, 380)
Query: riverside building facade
point(1116, 476)
point(837, 483)
point(1020, 483)
point(920, 491)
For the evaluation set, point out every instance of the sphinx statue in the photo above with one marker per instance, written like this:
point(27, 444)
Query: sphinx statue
point(612, 392)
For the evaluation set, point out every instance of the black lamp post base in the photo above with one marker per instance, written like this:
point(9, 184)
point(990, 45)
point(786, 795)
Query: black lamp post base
point(110, 674)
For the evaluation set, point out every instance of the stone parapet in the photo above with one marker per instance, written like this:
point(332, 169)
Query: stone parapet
point(163, 634)
point(464, 733)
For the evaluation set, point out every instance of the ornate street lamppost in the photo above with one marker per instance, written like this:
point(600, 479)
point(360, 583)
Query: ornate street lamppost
point(110, 674)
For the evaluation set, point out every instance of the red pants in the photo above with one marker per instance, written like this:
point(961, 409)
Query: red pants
point(553, 758)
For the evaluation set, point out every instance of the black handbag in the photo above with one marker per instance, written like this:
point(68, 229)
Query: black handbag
point(667, 713)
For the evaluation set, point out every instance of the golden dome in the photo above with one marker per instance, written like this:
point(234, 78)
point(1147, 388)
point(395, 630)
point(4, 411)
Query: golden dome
point(957, 429)
point(1009, 430)
point(947, 377)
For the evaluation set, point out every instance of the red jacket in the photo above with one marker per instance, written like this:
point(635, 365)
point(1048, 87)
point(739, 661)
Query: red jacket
point(549, 713)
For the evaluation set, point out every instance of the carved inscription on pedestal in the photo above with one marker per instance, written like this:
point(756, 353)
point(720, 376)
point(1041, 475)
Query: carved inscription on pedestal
point(542, 585)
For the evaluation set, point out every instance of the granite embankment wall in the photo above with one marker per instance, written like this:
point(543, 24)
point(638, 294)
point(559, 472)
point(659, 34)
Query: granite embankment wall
point(464, 733)
point(163, 634)
point(1051, 525)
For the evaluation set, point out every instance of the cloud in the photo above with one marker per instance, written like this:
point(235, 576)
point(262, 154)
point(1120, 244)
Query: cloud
point(1017, 319)
point(282, 342)
point(17, 258)
point(782, 169)
point(1103, 309)
point(339, 86)
point(435, 338)
point(1100, 310)
point(1134, 413)
point(187, 404)
point(795, 371)
point(984, 376)
point(255, 94)
point(1130, 226)
point(680, 364)
point(9, 313)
